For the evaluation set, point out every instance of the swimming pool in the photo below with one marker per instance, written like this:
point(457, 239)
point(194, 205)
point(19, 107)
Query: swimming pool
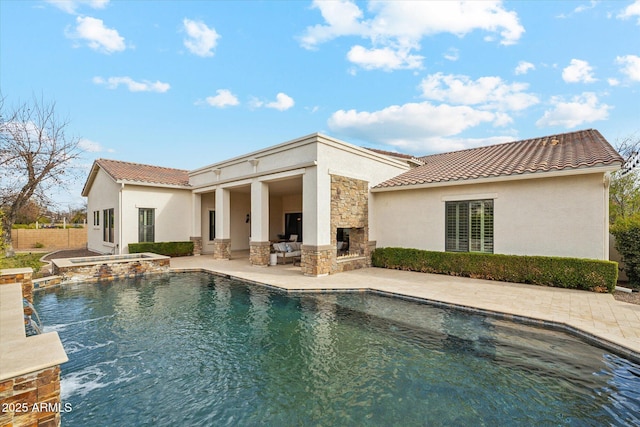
point(196, 349)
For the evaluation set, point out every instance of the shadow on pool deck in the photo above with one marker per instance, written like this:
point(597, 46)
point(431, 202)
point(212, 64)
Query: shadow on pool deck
point(597, 317)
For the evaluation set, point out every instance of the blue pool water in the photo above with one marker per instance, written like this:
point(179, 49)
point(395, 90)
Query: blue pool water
point(194, 349)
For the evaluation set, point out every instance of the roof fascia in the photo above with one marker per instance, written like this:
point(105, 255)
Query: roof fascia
point(95, 168)
point(513, 177)
point(266, 175)
point(308, 139)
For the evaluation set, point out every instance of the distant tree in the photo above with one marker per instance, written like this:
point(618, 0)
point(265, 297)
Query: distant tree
point(78, 216)
point(624, 192)
point(36, 155)
point(29, 213)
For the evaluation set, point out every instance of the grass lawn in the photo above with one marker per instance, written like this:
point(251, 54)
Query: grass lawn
point(21, 260)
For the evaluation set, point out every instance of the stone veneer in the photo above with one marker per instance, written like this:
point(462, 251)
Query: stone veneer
point(110, 267)
point(197, 244)
point(222, 249)
point(259, 253)
point(317, 260)
point(350, 209)
point(32, 399)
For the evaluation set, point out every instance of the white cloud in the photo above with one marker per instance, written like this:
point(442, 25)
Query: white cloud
point(342, 18)
point(96, 35)
point(132, 85)
point(452, 54)
point(418, 126)
point(283, 102)
point(524, 67)
point(91, 146)
point(400, 25)
point(631, 66)
point(385, 58)
point(613, 82)
point(633, 10)
point(224, 98)
point(488, 92)
point(583, 108)
point(578, 71)
point(201, 39)
point(71, 6)
point(584, 7)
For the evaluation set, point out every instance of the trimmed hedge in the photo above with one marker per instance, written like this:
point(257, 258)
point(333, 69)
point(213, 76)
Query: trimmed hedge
point(571, 273)
point(172, 249)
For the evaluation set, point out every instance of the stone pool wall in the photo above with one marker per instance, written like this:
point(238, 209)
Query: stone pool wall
point(109, 267)
point(22, 276)
point(29, 366)
point(32, 399)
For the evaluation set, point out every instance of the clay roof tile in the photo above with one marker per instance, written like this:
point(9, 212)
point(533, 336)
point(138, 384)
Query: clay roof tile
point(136, 172)
point(573, 150)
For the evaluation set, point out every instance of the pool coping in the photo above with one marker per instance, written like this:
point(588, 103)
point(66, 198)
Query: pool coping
point(590, 337)
point(17, 350)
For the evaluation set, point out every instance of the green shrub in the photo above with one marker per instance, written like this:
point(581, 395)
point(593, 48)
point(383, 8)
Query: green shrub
point(572, 273)
point(172, 249)
point(627, 234)
point(23, 226)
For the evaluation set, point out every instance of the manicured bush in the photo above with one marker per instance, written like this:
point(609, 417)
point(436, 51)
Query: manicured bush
point(627, 234)
point(572, 273)
point(172, 249)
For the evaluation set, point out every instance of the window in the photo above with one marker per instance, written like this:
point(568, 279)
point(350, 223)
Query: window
point(212, 225)
point(146, 225)
point(293, 224)
point(96, 218)
point(107, 225)
point(469, 226)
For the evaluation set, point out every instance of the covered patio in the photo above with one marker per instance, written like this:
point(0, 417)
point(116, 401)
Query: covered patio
point(251, 202)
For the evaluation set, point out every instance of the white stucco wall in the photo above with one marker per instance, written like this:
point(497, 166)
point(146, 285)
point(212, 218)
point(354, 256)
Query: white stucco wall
point(172, 213)
point(560, 216)
point(312, 159)
point(352, 162)
point(103, 195)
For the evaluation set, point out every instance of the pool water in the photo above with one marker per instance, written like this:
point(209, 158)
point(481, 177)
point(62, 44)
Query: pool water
point(196, 349)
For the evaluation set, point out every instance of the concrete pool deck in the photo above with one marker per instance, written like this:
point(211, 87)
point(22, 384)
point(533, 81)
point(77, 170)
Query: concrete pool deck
point(597, 317)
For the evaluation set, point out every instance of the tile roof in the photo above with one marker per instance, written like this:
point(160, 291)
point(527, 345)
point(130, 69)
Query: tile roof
point(574, 150)
point(136, 172)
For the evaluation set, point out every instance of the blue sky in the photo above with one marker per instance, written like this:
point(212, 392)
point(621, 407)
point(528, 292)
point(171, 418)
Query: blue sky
point(188, 83)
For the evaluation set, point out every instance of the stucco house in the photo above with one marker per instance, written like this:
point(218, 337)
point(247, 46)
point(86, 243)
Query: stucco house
point(542, 196)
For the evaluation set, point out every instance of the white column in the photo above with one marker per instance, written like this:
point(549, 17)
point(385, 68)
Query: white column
point(196, 215)
point(259, 211)
point(316, 207)
point(223, 213)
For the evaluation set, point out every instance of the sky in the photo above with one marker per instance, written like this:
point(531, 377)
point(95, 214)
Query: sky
point(185, 84)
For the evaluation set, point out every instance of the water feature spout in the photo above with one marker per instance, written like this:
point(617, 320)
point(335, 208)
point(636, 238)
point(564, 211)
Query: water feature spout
point(32, 327)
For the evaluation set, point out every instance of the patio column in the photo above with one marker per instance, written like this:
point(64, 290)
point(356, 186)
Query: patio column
point(317, 251)
point(196, 226)
point(259, 247)
point(222, 242)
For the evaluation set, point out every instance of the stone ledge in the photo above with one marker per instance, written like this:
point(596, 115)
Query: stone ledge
point(20, 354)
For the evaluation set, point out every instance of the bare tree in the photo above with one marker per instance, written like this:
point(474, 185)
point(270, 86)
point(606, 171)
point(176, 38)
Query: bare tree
point(36, 156)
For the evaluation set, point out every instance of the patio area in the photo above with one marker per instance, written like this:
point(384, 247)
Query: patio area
point(599, 318)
